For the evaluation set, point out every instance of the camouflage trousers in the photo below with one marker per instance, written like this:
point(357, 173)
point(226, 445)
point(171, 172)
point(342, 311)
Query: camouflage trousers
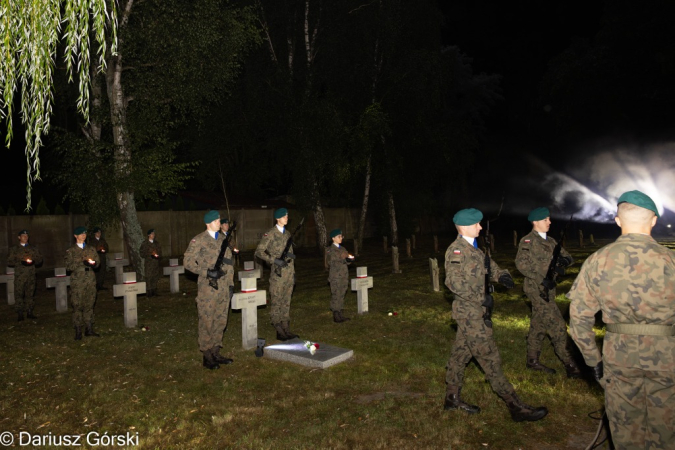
point(474, 339)
point(547, 319)
point(281, 289)
point(24, 292)
point(152, 273)
point(83, 298)
point(213, 307)
point(338, 289)
point(100, 271)
point(640, 407)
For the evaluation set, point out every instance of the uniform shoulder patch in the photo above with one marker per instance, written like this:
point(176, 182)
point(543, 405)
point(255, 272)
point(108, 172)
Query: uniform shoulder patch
point(527, 241)
point(457, 252)
point(194, 240)
point(264, 234)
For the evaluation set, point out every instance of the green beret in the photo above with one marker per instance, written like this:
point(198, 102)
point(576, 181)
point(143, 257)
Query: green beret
point(150, 231)
point(226, 220)
point(80, 230)
point(335, 232)
point(467, 217)
point(281, 212)
point(23, 232)
point(210, 216)
point(539, 214)
point(97, 229)
point(639, 199)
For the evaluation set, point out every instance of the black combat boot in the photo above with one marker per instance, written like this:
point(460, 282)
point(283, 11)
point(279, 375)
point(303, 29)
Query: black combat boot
point(19, 316)
point(344, 319)
point(337, 317)
point(220, 359)
point(78, 333)
point(453, 400)
point(281, 334)
point(89, 331)
point(286, 326)
point(521, 411)
point(30, 314)
point(209, 361)
point(534, 364)
point(572, 369)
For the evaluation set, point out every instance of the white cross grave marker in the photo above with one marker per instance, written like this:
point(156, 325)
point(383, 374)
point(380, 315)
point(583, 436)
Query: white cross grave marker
point(9, 279)
point(61, 282)
point(173, 271)
point(361, 284)
point(250, 271)
point(248, 301)
point(118, 261)
point(130, 290)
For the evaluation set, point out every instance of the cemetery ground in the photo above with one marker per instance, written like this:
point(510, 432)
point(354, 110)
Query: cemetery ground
point(388, 396)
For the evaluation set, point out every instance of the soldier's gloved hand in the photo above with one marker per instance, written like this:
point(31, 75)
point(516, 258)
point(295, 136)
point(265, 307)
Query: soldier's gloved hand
point(349, 259)
point(549, 284)
point(280, 262)
point(506, 281)
point(290, 256)
point(560, 270)
point(598, 373)
point(227, 261)
point(26, 263)
point(214, 274)
point(564, 261)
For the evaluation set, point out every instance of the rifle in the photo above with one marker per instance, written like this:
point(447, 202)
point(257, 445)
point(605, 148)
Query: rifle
point(284, 254)
point(489, 302)
point(213, 282)
point(549, 281)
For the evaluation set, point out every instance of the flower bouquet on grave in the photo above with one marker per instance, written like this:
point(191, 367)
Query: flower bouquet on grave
point(391, 312)
point(312, 346)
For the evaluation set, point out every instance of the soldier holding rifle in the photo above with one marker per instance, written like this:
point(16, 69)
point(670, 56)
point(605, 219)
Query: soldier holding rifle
point(465, 276)
point(203, 257)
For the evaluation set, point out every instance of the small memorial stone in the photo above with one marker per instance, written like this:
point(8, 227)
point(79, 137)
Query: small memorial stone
point(129, 289)
point(9, 280)
point(118, 261)
point(361, 284)
point(248, 301)
point(174, 270)
point(60, 281)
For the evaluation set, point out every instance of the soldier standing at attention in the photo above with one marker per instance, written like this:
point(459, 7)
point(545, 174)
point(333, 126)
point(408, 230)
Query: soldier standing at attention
point(213, 304)
point(465, 277)
point(101, 246)
point(338, 260)
point(151, 251)
point(632, 281)
point(282, 273)
point(533, 260)
point(81, 260)
point(229, 253)
point(23, 257)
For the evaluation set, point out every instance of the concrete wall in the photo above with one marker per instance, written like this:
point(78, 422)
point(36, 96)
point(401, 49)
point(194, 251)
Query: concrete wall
point(53, 234)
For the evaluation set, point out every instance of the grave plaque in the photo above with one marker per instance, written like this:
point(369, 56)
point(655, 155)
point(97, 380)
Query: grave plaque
point(130, 290)
point(433, 268)
point(248, 301)
point(118, 262)
point(295, 351)
point(9, 280)
point(361, 284)
point(174, 270)
point(60, 282)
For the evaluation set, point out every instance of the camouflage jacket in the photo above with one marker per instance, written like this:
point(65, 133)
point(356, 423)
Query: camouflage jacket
point(632, 281)
point(465, 277)
point(100, 245)
point(534, 257)
point(202, 254)
point(148, 249)
point(337, 262)
point(75, 257)
point(20, 253)
point(272, 245)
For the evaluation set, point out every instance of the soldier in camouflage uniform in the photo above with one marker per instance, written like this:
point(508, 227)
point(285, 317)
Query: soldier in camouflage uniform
point(465, 277)
point(229, 254)
point(282, 273)
point(632, 281)
point(23, 257)
point(99, 243)
point(212, 304)
point(338, 260)
point(533, 260)
point(81, 260)
point(151, 252)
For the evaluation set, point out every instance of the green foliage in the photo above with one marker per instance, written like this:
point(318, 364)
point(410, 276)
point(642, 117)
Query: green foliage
point(180, 204)
point(192, 206)
point(11, 211)
point(30, 31)
point(42, 208)
point(168, 204)
point(59, 209)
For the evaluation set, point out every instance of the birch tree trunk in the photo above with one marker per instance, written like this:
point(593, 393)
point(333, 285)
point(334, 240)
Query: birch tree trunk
point(392, 220)
point(364, 205)
point(319, 219)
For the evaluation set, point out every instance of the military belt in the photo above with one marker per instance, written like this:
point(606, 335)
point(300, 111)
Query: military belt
point(644, 330)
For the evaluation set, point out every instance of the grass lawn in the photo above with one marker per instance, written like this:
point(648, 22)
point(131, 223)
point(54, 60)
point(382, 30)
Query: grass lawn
point(389, 395)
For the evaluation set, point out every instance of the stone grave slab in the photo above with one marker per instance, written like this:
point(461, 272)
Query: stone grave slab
point(8, 279)
point(295, 351)
point(130, 290)
point(174, 270)
point(118, 261)
point(361, 284)
point(60, 282)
